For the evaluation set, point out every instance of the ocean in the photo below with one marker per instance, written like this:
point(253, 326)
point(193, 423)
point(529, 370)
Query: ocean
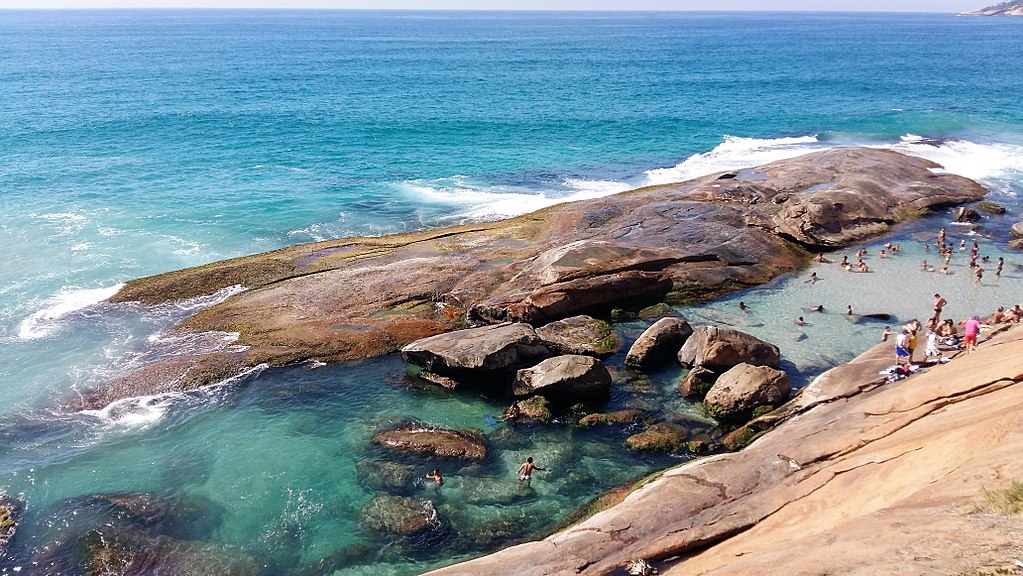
point(138, 142)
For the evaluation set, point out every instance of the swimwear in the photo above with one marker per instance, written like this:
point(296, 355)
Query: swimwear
point(970, 338)
point(524, 477)
point(900, 351)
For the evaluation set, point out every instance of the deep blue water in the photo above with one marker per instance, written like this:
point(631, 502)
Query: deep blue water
point(136, 142)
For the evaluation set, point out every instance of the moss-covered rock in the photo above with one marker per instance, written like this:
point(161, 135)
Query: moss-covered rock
point(536, 408)
point(990, 207)
point(610, 418)
point(661, 437)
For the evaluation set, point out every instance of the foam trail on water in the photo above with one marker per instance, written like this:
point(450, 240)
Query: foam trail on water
point(46, 321)
point(481, 202)
point(734, 153)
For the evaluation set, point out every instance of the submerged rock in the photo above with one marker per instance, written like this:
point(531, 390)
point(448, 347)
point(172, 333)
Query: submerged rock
point(580, 335)
point(990, 207)
point(718, 349)
point(416, 438)
point(389, 476)
point(108, 554)
point(661, 340)
point(564, 379)
point(400, 515)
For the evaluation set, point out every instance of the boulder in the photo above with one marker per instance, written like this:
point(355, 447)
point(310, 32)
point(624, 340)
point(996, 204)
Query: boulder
point(1016, 244)
point(417, 438)
point(580, 335)
point(990, 207)
point(564, 379)
point(1017, 230)
point(661, 340)
point(400, 515)
point(627, 416)
point(966, 214)
point(744, 388)
point(661, 437)
point(697, 382)
point(108, 552)
point(719, 348)
point(477, 352)
point(659, 310)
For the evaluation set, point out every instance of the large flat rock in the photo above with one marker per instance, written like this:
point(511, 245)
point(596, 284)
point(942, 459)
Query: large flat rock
point(361, 297)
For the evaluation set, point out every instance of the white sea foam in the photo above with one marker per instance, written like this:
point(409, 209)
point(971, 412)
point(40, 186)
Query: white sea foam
point(47, 320)
point(81, 246)
point(982, 162)
point(144, 411)
point(481, 202)
point(734, 153)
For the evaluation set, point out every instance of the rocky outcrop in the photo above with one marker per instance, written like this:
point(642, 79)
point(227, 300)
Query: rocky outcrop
point(1017, 230)
point(744, 388)
point(580, 335)
point(476, 353)
point(967, 214)
point(660, 341)
point(718, 349)
point(1010, 8)
point(468, 444)
point(564, 379)
point(359, 297)
point(8, 522)
point(873, 477)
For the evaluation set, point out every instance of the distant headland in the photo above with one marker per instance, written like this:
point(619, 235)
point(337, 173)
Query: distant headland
point(1010, 8)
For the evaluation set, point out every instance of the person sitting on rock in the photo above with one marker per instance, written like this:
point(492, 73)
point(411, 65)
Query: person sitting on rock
point(512, 412)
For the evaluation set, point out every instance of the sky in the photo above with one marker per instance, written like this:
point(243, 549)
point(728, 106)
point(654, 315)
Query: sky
point(745, 5)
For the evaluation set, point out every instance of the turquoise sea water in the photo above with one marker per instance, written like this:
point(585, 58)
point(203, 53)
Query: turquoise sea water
point(132, 143)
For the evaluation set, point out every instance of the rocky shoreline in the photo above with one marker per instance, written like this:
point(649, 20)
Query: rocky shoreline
point(362, 297)
point(856, 473)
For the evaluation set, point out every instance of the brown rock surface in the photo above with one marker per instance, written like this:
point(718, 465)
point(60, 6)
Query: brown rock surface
point(359, 297)
point(580, 335)
point(872, 478)
point(431, 441)
point(564, 379)
point(719, 348)
point(743, 388)
point(661, 340)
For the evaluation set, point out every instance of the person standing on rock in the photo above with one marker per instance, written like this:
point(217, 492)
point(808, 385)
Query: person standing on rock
point(970, 331)
point(526, 470)
point(900, 346)
point(939, 304)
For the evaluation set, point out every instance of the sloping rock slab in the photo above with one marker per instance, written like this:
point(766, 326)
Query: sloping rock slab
point(718, 348)
point(564, 379)
point(465, 444)
point(661, 340)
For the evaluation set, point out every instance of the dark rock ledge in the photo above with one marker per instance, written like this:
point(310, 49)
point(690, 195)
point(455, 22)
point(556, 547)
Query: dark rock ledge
point(360, 297)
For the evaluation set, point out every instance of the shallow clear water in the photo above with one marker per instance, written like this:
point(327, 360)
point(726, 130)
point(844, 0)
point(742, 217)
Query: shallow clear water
point(132, 143)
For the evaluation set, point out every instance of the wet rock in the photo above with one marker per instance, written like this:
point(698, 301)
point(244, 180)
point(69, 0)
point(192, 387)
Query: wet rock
point(580, 335)
point(619, 315)
point(610, 418)
point(1016, 244)
point(1017, 230)
point(661, 437)
point(8, 522)
point(417, 438)
point(661, 340)
point(990, 207)
point(564, 379)
point(536, 408)
point(697, 382)
point(400, 515)
point(659, 310)
point(477, 352)
point(742, 389)
point(967, 214)
point(107, 552)
point(719, 348)
point(389, 476)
